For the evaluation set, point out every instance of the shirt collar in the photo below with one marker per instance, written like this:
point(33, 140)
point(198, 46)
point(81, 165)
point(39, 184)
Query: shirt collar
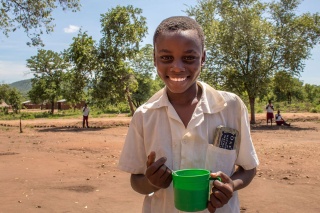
point(211, 100)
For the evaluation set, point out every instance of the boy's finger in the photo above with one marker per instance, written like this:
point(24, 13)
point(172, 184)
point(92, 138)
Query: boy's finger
point(224, 178)
point(155, 166)
point(225, 186)
point(151, 158)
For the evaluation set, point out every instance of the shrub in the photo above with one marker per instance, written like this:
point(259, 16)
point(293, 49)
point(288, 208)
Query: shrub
point(313, 110)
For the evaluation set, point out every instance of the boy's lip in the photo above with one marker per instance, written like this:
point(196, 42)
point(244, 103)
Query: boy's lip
point(177, 78)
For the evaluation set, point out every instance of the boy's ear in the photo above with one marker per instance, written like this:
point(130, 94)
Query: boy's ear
point(203, 59)
point(154, 59)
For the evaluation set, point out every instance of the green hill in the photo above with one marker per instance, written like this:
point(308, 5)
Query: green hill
point(23, 86)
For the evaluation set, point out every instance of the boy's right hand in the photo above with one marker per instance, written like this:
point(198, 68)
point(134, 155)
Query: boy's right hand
point(157, 173)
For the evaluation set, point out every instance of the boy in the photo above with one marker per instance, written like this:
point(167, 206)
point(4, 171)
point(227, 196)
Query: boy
point(175, 128)
point(85, 113)
point(270, 110)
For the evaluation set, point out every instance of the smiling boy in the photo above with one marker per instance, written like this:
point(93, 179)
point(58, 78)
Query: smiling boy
point(177, 127)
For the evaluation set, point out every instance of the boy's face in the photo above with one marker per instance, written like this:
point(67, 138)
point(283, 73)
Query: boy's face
point(178, 57)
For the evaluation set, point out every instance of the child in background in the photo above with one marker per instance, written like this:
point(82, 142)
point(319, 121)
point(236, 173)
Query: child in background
point(280, 121)
point(85, 117)
point(270, 110)
point(175, 128)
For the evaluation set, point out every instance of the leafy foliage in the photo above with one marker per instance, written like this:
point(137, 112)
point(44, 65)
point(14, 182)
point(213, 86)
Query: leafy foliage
point(312, 93)
point(122, 30)
point(14, 99)
point(144, 70)
point(286, 87)
point(82, 55)
point(48, 69)
point(34, 17)
point(4, 91)
point(249, 41)
point(11, 96)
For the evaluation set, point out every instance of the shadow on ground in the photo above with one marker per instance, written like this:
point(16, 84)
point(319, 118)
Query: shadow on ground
point(275, 127)
point(71, 129)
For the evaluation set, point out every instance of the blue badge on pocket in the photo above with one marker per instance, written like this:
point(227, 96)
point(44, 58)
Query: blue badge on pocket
point(226, 138)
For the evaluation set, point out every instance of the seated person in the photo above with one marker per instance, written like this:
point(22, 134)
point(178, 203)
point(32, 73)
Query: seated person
point(280, 120)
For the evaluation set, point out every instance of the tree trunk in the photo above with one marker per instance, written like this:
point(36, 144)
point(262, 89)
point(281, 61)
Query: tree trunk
point(52, 107)
point(253, 117)
point(289, 97)
point(130, 102)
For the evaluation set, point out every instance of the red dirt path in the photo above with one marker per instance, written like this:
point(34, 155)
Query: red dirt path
point(60, 168)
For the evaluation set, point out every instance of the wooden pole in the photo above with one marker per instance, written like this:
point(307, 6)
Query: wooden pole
point(20, 126)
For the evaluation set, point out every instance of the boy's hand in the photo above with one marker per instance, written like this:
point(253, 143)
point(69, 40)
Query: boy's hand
point(157, 173)
point(221, 192)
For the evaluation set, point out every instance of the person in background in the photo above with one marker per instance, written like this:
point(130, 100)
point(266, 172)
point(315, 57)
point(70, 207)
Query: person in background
point(270, 110)
point(175, 129)
point(280, 121)
point(85, 113)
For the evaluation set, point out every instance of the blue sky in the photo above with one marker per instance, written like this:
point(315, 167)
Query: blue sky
point(14, 52)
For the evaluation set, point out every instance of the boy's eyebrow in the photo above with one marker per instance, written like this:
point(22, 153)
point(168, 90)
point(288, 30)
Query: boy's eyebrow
point(168, 51)
point(164, 51)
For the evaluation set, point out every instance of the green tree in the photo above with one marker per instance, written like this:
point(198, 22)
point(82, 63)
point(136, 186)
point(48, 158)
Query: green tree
point(34, 17)
point(11, 96)
point(82, 55)
point(143, 71)
point(287, 87)
point(37, 93)
point(123, 28)
point(248, 41)
point(14, 99)
point(4, 91)
point(312, 93)
point(48, 68)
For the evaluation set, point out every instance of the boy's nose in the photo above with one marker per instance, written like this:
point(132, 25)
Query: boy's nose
point(177, 67)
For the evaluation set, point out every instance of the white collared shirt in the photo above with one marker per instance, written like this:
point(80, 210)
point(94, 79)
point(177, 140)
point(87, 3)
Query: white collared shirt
point(85, 111)
point(157, 127)
point(269, 108)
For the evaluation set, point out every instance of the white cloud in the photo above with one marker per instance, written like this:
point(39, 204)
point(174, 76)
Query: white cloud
point(11, 71)
point(71, 29)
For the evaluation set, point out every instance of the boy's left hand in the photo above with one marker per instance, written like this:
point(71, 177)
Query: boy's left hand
point(221, 192)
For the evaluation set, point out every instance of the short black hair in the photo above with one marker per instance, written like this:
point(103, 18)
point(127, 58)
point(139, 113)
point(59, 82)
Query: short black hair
point(179, 23)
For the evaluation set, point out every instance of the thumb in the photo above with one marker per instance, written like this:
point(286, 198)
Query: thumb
point(151, 158)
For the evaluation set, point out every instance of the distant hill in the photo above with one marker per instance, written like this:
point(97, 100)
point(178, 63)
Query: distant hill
point(23, 86)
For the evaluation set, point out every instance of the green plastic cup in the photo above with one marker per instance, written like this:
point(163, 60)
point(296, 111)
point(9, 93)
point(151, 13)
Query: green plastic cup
point(191, 189)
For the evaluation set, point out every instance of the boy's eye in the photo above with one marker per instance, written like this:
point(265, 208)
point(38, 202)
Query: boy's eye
point(166, 58)
point(189, 58)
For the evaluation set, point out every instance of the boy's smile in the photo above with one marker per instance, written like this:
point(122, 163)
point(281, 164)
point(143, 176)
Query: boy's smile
point(178, 57)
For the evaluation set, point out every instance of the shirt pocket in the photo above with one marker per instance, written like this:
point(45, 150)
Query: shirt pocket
point(218, 159)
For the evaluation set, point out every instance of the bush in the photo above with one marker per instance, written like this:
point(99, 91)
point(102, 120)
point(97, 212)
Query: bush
point(259, 111)
point(313, 110)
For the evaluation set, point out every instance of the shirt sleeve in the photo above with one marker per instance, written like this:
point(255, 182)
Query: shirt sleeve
point(247, 156)
point(133, 157)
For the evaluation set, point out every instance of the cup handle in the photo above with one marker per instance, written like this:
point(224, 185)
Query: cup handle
point(217, 178)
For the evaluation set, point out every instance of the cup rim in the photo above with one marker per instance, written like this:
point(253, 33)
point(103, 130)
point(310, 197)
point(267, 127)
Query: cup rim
point(175, 173)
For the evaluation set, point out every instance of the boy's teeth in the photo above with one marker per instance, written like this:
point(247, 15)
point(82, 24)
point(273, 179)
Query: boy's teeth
point(177, 79)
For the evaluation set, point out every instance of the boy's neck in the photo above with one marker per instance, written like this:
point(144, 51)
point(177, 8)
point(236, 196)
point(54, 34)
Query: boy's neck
point(189, 97)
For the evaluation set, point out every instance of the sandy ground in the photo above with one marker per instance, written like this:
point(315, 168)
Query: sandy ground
point(54, 166)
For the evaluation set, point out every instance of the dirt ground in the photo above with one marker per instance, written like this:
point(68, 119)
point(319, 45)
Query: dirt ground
point(54, 166)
